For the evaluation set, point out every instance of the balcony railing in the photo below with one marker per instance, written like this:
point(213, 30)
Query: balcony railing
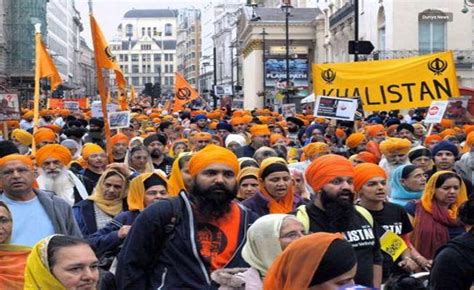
point(462, 58)
point(341, 15)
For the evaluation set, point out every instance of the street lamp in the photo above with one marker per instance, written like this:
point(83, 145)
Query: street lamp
point(286, 6)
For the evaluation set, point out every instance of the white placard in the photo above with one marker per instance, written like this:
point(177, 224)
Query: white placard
point(119, 119)
point(436, 112)
point(96, 109)
point(335, 108)
point(9, 107)
point(71, 105)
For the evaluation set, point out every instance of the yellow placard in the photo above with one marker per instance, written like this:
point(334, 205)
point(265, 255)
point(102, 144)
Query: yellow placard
point(390, 84)
point(392, 244)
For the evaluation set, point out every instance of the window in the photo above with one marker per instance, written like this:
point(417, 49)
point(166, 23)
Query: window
point(135, 68)
point(135, 81)
point(146, 46)
point(146, 57)
point(149, 31)
point(129, 30)
point(168, 57)
point(431, 36)
point(135, 57)
point(155, 31)
point(125, 69)
point(168, 30)
point(157, 69)
point(125, 57)
point(381, 29)
point(157, 57)
point(143, 31)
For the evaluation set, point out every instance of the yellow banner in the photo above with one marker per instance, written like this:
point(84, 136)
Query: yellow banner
point(390, 84)
point(392, 244)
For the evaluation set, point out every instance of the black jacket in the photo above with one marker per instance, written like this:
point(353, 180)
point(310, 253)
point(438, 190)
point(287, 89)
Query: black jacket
point(453, 266)
point(161, 254)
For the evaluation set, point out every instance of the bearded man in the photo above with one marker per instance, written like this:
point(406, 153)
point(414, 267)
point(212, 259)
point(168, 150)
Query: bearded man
point(119, 146)
point(52, 160)
point(395, 154)
point(155, 145)
point(96, 162)
point(331, 178)
point(186, 238)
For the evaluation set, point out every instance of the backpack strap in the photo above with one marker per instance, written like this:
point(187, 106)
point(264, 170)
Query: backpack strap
point(366, 214)
point(303, 217)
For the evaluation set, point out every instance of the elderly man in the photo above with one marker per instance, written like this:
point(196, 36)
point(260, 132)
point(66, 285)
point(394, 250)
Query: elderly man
point(395, 154)
point(52, 160)
point(119, 146)
point(260, 137)
point(200, 140)
point(96, 160)
point(177, 243)
point(36, 214)
point(331, 178)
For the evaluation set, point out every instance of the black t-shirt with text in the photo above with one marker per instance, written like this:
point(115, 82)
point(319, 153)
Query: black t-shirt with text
point(361, 236)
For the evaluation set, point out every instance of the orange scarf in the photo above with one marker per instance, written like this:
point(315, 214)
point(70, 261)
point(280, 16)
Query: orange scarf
point(284, 205)
point(12, 266)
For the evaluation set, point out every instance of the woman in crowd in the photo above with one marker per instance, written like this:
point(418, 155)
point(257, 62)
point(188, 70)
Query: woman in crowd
point(276, 194)
point(370, 184)
point(421, 157)
point(139, 160)
point(179, 146)
point(179, 178)
point(247, 162)
point(434, 215)
point(453, 266)
point(107, 201)
point(320, 261)
point(248, 183)
point(145, 189)
point(61, 262)
point(12, 257)
point(407, 184)
point(267, 237)
point(302, 194)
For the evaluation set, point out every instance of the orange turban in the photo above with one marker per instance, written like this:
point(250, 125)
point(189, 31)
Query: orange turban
point(314, 148)
point(432, 138)
point(22, 136)
point(447, 132)
point(236, 121)
point(55, 151)
point(16, 157)
point(55, 128)
point(213, 125)
point(64, 113)
point(354, 140)
point(202, 136)
point(264, 119)
point(340, 133)
point(366, 171)
point(154, 115)
point(325, 168)
point(395, 144)
point(468, 129)
point(213, 154)
point(90, 148)
point(44, 134)
point(259, 130)
point(275, 137)
point(373, 130)
point(366, 156)
point(447, 123)
point(247, 119)
point(28, 115)
point(119, 138)
point(469, 142)
point(13, 124)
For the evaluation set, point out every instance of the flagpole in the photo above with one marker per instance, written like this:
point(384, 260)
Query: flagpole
point(36, 97)
point(102, 91)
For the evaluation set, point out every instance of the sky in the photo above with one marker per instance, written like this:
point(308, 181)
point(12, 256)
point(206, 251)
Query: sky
point(109, 13)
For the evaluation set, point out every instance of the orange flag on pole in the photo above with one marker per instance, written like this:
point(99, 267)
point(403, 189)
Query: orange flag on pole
point(44, 67)
point(185, 93)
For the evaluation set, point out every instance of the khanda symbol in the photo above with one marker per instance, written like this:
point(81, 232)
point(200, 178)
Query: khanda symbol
point(328, 75)
point(183, 94)
point(109, 54)
point(437, 66)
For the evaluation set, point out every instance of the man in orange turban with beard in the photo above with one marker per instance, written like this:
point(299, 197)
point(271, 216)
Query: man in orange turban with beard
point(44, 136)
point(332, 179)
point(395, 154)
point(218, 227)
point(119, 146)
point(54, 176)
point(260, 137)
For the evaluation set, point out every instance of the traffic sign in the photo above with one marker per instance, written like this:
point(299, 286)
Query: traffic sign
point(360, 47)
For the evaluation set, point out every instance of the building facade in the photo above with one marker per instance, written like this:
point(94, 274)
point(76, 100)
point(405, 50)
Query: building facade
point(87, 72)
point(188, 45)
point(427, 27)
point(145, 47)
point(4, 52)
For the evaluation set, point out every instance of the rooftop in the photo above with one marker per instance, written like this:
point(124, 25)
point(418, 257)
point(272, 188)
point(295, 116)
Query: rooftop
point(151, 13)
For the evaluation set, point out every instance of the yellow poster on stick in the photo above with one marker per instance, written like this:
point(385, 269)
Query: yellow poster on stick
point(390, 84)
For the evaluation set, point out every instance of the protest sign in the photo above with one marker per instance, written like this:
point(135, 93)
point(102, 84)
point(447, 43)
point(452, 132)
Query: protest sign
point(289, 110)
point(9, 107)
point(96, 109)
point(390, 84)
point(436, 112)
point(119, 119)
point(71, 105)
point(335, 108)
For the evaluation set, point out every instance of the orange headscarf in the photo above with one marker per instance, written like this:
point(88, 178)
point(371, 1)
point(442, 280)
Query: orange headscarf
point(44, 134)
point(373, 130)
point(431, 138)
point(374, 148)
point(295, 267)
point(55, 151)
point(119, 138)
point(136, 191)
point(201, 136)
point(285, 205)
point(176, 182)
point(469, 142)
point(367, 157)
point(395, 144)
point(366, 171)
point(354, 140)
point(213, 154)
point(325, 168)
point(90, 148)
point(447, 132)
point(276, 137)
point(259, 130)
point(315, 148)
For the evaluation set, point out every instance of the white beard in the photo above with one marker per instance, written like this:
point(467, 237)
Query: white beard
point(61, 185)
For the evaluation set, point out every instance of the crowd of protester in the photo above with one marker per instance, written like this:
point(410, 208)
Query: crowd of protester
point(236, 199)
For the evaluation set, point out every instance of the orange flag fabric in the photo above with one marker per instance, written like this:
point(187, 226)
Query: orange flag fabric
point(46, 65)
point(104, 57)
point(185, 93)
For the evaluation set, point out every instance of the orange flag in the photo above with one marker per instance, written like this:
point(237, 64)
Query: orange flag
point(185, 93)
point(104, 57)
